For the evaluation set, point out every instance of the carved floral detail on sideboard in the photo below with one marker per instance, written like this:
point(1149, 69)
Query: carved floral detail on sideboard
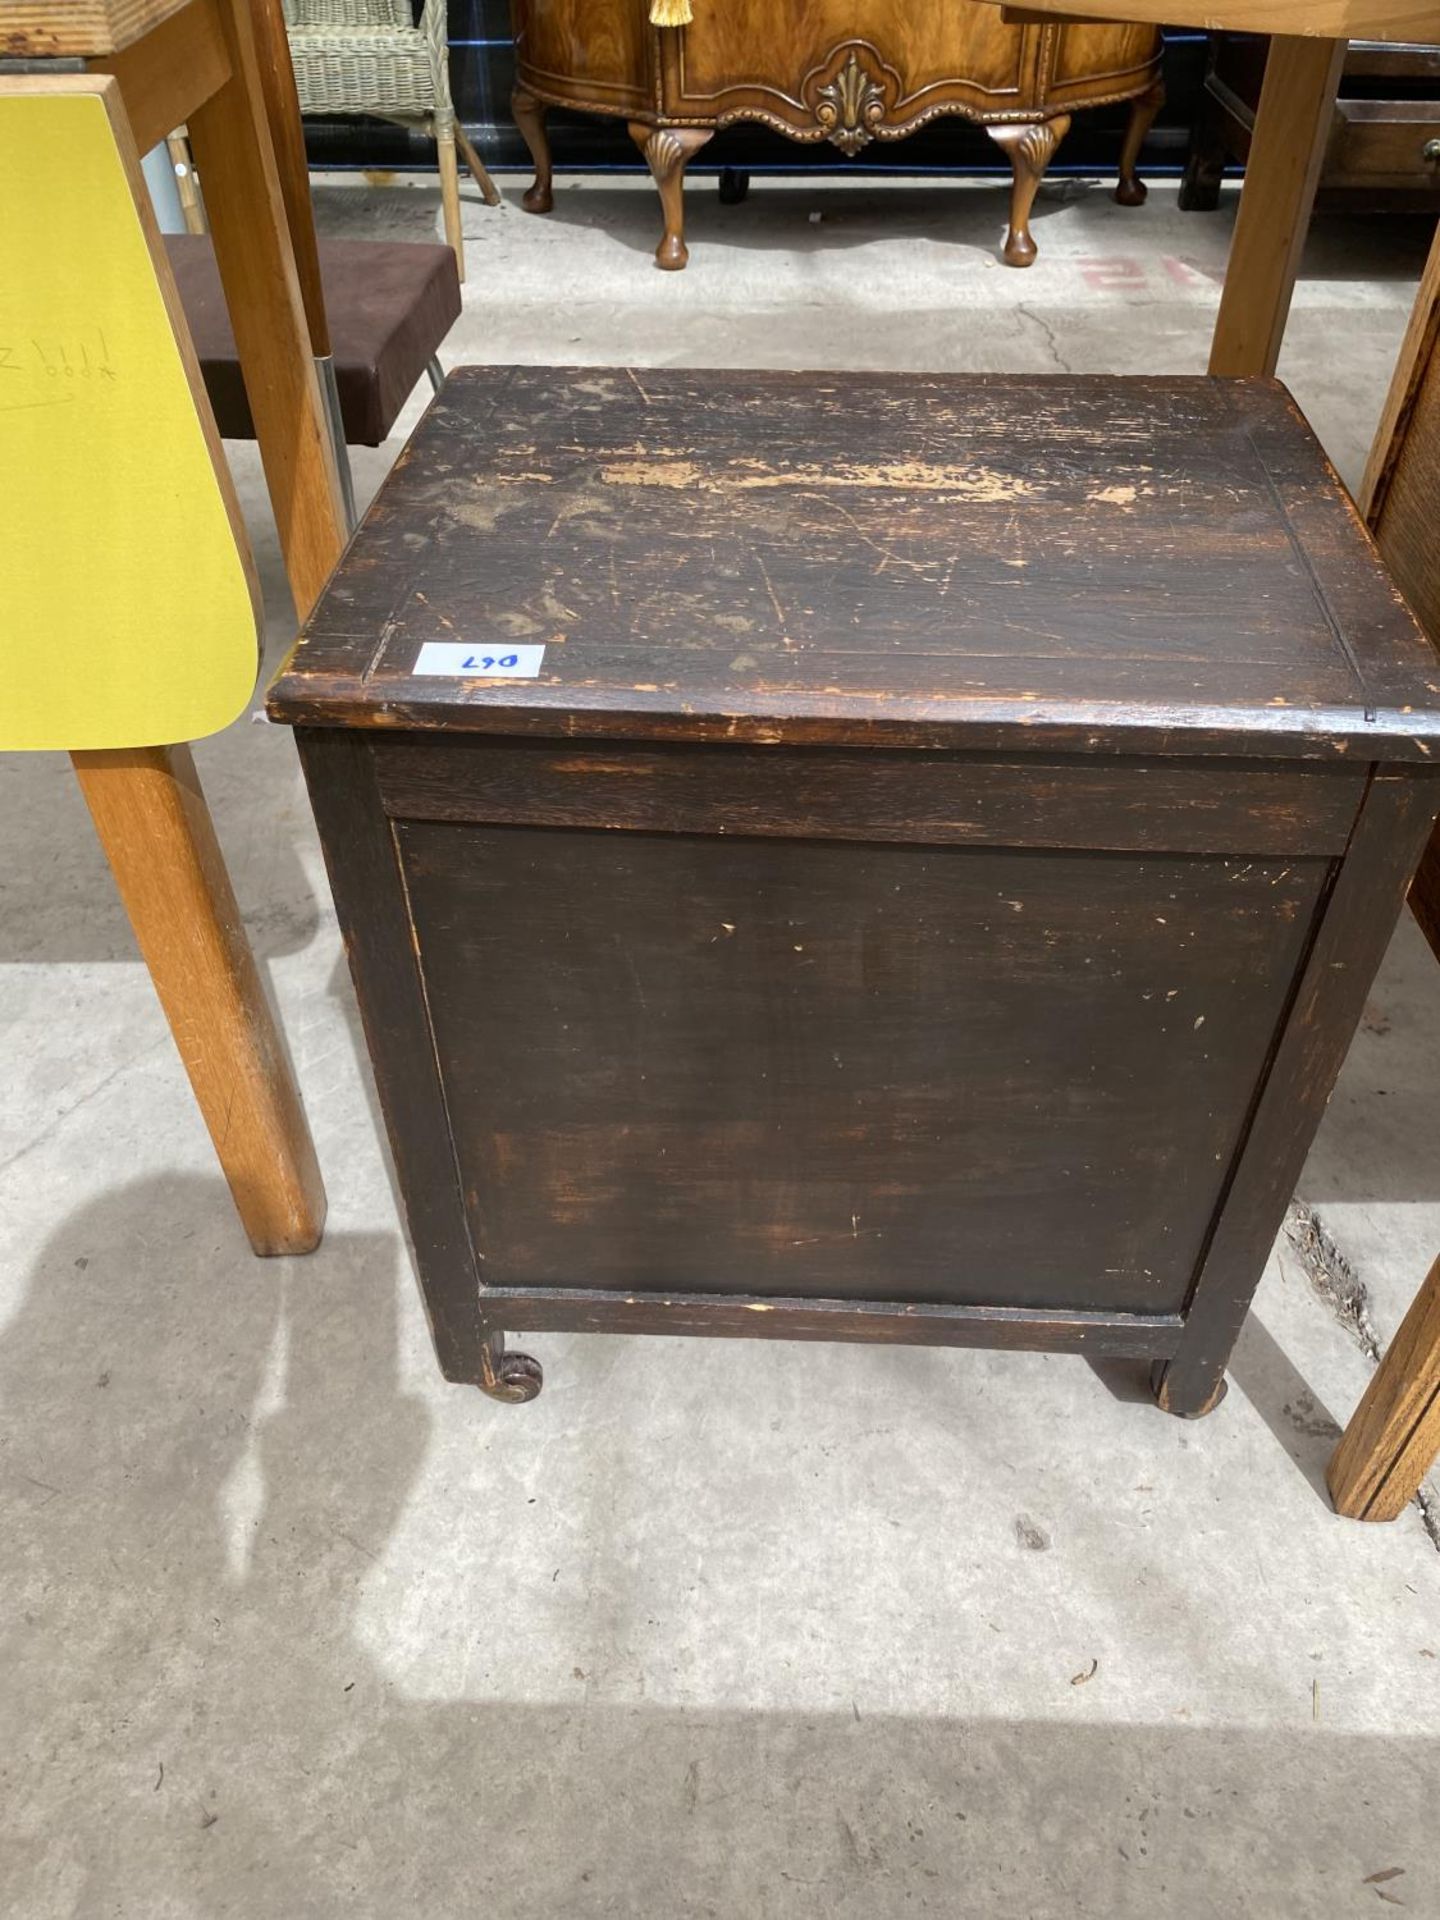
point(850, 107)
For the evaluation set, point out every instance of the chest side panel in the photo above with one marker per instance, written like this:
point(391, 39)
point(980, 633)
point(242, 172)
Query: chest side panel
point(787, 1067)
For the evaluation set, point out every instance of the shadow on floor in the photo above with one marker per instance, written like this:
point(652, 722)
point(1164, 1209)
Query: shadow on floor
point(194, 1502)
point(1344, 245)
point(779, 214)
point(1282, 1396)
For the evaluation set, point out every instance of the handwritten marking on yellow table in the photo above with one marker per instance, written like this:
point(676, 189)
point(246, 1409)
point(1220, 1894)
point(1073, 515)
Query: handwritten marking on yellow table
point(126, 613)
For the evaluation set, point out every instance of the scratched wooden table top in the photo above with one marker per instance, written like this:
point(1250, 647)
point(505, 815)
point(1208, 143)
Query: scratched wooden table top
point(970, 561)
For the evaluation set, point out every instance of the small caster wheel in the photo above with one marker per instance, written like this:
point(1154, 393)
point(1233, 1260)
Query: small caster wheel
point(734, 186)
point(510, 1377)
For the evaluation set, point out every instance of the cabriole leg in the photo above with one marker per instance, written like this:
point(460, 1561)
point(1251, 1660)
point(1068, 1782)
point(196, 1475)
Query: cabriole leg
point(668, 151)
point(539, 196)
point(1131, 190)
point(1029, 148)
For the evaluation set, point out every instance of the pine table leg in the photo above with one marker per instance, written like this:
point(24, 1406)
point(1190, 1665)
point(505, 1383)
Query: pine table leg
point(1292, 126)
point(157, 834)
point(1394, 1434)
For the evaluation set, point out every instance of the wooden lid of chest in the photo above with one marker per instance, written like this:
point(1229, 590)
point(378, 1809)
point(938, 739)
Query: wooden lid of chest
point(1078, 562)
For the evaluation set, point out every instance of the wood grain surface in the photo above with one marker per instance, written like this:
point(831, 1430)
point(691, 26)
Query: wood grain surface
point(155, 827)
point(777, 1067)
point(1132, 566)
point(287, 137)
point(168, 73)
point(52, 29)
point(1403, 20)
point(1173, 806)
point(1393, 1436)
point(930, 886)
point(360, 859)
point(230, 135)
point(1398, 496)
point(1292, 128)
point(1350, 939)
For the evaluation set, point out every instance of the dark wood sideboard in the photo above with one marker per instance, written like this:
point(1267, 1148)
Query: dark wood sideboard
point(847, 71)
point(922, 881)
point(1384, 143)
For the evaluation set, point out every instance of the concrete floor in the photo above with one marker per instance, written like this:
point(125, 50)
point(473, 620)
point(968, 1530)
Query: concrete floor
point(292, 1629)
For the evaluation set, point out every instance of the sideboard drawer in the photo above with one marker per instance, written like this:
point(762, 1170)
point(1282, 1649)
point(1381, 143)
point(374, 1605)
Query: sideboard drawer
point(735, 46)
point(599, 51)
point(1384, 143)
point(1101, 59)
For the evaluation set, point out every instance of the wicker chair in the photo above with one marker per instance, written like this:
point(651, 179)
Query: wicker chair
point(369, 56)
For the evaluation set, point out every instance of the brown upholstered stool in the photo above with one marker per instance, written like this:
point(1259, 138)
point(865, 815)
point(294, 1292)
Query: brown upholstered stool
point(389, 303)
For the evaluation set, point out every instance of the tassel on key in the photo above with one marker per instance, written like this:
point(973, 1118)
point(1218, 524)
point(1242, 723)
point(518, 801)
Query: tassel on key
point(670, 13)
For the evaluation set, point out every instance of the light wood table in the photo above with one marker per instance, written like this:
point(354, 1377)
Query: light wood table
point(1394, 1435)
point(195, 62)
point(1291, 126)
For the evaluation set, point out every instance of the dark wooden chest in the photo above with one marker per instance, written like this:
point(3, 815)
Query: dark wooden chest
point(857, 857)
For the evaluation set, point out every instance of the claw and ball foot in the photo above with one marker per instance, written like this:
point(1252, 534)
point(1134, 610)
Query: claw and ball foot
point(1131, 190)
point(1187, 1392)
point(529, 114)
point(1029, 148)
point(668, 151)
point(508, 1376)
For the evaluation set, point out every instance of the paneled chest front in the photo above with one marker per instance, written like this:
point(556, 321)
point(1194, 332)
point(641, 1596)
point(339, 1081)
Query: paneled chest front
point(855, 857)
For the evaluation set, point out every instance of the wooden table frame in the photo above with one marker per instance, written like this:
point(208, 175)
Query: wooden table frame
point(1393, 1437)
point(195, 62)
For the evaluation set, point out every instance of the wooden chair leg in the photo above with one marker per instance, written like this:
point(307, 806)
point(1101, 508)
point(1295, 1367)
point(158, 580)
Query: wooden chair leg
point(539, 196)
point(177, 145)
point(253, 251)
point(668, 151)
point(157, 834)
point(450, 195)
point(1394, 1434)
point(489, 192)
point(1131, 190)
point(1029, 147)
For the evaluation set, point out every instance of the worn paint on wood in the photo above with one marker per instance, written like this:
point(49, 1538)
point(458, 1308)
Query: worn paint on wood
point(930, 888)
point(774, 556)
